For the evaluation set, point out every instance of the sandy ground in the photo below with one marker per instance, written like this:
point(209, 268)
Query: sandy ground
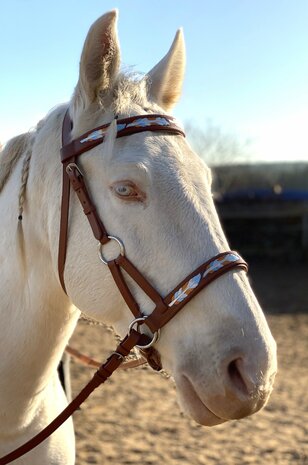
point(135, 419)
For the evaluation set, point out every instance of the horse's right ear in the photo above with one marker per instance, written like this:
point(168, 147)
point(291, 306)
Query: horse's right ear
point(100, 60)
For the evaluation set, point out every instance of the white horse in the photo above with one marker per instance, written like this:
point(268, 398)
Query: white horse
point(154, 193)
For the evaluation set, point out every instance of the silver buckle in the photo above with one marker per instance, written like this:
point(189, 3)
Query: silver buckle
point(70, 167)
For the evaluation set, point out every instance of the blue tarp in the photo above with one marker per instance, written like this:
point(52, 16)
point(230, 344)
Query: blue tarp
point(264, 194)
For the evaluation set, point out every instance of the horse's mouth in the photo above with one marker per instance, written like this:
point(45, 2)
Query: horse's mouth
point(193, 406)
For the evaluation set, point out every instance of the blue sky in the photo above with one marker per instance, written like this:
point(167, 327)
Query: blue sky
point(247, 62)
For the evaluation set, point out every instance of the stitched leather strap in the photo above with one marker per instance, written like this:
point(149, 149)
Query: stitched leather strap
point(101, 375)
point(72, 175)
point(65, 202)
point(63, 236)
point(166, 308)
point(125, 127)
point(124, 289)
point(192, 285)
point(123, 262)
point(77, 181)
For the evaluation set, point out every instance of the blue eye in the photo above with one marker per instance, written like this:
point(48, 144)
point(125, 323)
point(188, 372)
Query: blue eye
point(127, 190)
point(124, 190)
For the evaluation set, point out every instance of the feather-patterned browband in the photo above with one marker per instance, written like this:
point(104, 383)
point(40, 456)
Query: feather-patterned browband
point(125, 127)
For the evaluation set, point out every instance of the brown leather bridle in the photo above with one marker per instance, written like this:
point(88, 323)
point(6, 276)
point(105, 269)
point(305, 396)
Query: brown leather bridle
point(165, 307)
point(72, 176)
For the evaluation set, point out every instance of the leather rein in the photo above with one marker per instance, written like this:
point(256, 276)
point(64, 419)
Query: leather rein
point(165, 307)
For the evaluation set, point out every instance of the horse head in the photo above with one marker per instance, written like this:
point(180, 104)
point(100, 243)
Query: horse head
point(154, 193)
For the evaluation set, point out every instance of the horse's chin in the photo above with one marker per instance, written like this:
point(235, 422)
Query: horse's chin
point(192, 405)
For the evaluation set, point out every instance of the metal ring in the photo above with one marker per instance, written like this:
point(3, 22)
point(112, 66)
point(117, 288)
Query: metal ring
point(138, 322)
point(100, 248)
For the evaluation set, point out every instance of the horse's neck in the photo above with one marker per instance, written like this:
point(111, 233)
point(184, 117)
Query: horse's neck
point(36, 317)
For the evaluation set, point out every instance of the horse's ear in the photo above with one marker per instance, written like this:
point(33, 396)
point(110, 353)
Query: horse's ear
point(100, 60)
point(166, 78)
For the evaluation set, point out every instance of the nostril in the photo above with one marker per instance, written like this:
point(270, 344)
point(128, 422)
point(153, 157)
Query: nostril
point(236, 377)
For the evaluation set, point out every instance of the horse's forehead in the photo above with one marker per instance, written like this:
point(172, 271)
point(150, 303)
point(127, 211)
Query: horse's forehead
point(161, 154)
point(164, 164)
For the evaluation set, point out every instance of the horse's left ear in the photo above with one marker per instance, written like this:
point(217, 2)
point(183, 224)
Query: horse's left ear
point(166, 78)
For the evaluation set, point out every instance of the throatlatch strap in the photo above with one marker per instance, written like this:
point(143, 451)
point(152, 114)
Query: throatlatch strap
point(63, 236)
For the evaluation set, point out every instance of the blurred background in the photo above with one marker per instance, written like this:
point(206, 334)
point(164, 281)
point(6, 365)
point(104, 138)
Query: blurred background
point(245, 110)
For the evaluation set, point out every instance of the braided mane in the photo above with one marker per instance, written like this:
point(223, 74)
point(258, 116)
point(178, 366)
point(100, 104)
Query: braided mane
point(10, 154)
